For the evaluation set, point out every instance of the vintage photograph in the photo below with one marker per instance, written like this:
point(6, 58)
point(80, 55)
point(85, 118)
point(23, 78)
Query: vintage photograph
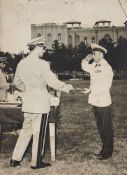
point(63, 87)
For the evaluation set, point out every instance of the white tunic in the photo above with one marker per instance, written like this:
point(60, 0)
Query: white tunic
point(32, 76)
point(101, 76)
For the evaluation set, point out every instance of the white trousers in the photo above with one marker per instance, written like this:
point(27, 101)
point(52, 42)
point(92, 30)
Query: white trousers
point(34, 125)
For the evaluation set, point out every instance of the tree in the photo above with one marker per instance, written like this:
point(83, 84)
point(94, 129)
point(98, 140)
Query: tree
point(107, 42)
point(121, 54)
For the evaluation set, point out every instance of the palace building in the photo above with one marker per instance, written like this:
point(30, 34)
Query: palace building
point(72, 33)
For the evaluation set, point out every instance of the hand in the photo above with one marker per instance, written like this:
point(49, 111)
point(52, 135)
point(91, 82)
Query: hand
point(67, 88)
point(70, 88)
point(85, 91)
point(79, 89)
point(89, 57)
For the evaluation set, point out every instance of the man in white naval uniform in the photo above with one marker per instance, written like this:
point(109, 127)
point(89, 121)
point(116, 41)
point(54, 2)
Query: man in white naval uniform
point(32, 77)
point(101, 76)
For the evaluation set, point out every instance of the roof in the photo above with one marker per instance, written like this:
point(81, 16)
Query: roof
point(73, 22)
point(102, 21)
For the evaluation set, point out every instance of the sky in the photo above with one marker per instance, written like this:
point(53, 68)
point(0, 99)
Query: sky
point(16, 16)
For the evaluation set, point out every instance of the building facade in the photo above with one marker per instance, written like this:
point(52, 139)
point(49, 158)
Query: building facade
point(72, 33)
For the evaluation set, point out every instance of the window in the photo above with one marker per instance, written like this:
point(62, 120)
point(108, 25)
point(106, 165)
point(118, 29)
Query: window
point(49, 37)
point(93, 39)
point(38, 35)
point(59, 37)
point(77, 39)
point(107, 37)
point(69, 39)
point(85, 40)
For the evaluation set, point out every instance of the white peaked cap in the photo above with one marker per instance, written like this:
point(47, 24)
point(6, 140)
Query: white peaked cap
point(37, 41)
point(97, 47)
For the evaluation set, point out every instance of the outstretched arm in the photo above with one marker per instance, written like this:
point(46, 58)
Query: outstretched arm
point(52, 81)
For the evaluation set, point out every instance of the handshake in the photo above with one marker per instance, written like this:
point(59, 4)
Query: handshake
point(84, 90)
point(69, 88)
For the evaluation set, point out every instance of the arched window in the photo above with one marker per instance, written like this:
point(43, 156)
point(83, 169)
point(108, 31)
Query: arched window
point(77, 39)
point(107, 37)
point(93, 39)
point(121, 38)
point(59, 37)
point(38, 35)
point(69, 39)
point(85, 40)
point(49, 37)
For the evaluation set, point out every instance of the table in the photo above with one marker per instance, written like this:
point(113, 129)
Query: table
point(12, 114)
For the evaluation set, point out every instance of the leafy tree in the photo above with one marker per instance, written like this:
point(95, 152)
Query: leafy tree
point(121, 54)
point(68, 58)
point(117, 55)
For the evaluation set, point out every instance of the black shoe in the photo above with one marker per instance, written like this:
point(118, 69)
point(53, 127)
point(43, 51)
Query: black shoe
point(14, 163)
point(104, 156)
point(42, 165)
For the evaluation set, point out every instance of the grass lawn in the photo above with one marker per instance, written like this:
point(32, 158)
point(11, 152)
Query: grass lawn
point(78, 139)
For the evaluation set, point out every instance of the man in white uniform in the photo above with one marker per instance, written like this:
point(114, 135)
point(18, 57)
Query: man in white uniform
point(32, 77)
point(101, 76)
